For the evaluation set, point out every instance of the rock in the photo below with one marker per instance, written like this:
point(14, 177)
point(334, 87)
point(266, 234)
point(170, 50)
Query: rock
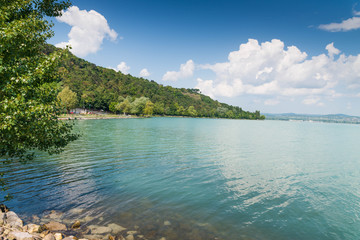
point(44, 233)
point(88, 218)
point(49, 237)
point(76, 224)
point(2, 230)
point(6, 231)
point(75, 211)
point(55, 215)
point(167, 223)
point(131, 232)
point(4, 208)
point(93, 237)
point(32, 228)
point(70, 238)
point(130, 237)
point(43, 228)
point(13, 220)
point(2, 218)
point(162, 238)
point(140, 236)
point(116, 228)
point(99, 229)
point(111, 237)
point(55, 226)
point(58, 236)
point(35, 219)
point(17, 235)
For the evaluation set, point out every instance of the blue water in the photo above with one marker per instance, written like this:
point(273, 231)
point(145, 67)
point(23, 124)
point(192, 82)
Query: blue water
point(230, 179)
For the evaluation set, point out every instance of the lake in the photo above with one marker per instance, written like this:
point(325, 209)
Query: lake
point(209, 178)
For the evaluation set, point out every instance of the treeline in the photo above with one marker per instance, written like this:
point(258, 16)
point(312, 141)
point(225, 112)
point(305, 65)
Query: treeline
point(101, 88)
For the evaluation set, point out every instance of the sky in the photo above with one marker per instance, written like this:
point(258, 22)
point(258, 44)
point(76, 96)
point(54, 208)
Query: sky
point(273, 56)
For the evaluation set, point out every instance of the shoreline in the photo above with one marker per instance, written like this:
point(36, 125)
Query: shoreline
point(56, 225)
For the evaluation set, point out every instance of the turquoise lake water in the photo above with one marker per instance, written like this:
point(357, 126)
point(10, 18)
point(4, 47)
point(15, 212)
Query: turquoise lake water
point(211, 178)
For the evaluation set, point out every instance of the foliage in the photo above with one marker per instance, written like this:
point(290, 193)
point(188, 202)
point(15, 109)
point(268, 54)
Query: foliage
point(28, 77)
point(149, 108)
point(68, 99)
point(99, 87)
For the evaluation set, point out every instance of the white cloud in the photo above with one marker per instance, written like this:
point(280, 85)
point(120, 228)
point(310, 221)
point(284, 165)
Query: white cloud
point(346, 25)
point(186, 70)
point(122, 67)
point(332, 50)
point(272, 69)
point(89, 28)
point(271, 102)
point(144, 73)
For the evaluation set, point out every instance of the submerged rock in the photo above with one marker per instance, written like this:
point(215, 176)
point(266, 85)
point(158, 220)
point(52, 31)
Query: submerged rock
point(130, 237)
point(116, 228)
point(76, 224)
point(75, 211)
point(56, 226)
point(55, 215)
point(99, 229)
point(167, 223)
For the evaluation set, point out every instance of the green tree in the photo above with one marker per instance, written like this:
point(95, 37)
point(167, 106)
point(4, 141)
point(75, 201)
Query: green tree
point(124, 106)
point(191, 111)
point(68, 99)
point(138, 105)
point(28, 95)
point(159, 108)
point(149, 108)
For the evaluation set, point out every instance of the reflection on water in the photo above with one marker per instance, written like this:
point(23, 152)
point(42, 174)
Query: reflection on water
point(229, 179)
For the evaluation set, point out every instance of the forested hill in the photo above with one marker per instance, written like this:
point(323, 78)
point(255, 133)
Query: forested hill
point(102, 88)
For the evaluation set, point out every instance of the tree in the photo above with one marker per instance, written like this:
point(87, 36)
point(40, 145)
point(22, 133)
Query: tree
point(191, 111)
point(28, 95)
point(138, 105)
point(68, 99)
point(149, 108)
point(124, 106)
point(112, 107)
point(159, 108)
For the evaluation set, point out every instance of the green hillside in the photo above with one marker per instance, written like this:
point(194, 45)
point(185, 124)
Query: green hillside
point(99, 88)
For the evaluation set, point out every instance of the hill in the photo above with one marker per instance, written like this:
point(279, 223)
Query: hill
point(99, 88)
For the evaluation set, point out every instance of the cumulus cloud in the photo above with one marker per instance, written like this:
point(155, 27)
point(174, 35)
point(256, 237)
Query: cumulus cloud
point(122, 67)
point(346, 25)
point(272, 69)
point(332, 50)
point(186, 70)
point(89, 28)
point(144, 73)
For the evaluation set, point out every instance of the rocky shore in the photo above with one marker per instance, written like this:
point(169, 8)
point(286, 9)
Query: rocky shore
point(61, 226)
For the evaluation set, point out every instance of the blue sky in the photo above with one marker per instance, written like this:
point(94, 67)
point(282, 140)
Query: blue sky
point(272, 56)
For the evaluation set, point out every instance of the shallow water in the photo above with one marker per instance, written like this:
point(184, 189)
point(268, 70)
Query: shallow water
point(230, 179)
